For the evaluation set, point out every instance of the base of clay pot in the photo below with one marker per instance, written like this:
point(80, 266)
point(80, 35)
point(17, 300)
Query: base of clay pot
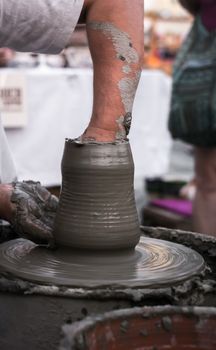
point(153, 264)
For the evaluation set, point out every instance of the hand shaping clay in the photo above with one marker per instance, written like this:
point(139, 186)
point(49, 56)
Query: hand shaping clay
point(96, 231)
point(34, 211)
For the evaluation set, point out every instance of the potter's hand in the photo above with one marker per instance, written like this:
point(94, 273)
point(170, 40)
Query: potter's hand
point(34, 210)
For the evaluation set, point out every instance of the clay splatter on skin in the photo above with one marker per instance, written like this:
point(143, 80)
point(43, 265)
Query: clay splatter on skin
point(121, 134)
point(128, 84)
point(127, 87)
point(127, 122)
point(124, 123)
point(126, 69)
point(121, 41)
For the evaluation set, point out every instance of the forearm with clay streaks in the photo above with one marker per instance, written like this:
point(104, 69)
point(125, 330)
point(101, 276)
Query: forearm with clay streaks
point(116, 41)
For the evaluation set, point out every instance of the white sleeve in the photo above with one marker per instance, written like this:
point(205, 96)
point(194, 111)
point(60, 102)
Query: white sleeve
point(42, 26)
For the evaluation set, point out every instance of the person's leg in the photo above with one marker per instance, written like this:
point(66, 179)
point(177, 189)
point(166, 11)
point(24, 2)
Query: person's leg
point(115, 32)
point(204, 206)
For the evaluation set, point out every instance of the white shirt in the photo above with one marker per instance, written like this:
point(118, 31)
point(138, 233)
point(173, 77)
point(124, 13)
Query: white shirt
point(42, 26)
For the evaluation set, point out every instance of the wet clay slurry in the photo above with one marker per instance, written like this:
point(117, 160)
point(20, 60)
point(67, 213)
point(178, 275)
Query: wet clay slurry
point(97, 207)
point(150, 328)
point(153, 264)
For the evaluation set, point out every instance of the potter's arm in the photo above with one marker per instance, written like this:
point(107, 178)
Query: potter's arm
point(115, 33)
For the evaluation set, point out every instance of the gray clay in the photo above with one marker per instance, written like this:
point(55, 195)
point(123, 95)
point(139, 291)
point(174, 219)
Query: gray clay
point(153, 264)
point(34, 211)
point(97, 207)
point(96, 231)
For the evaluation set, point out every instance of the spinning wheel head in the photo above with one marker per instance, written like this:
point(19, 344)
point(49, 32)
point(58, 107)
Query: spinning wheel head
point(153, 264)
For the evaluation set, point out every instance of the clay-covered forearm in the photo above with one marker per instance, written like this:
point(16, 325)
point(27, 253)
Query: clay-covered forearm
point(115, 32)
point(192, 6)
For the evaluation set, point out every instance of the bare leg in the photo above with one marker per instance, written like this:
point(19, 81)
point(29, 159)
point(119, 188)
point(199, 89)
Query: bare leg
point(115, 32)
point(204, 208)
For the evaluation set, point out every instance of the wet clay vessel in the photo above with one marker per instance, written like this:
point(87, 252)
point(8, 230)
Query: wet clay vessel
point(155, 328)
point(97, 229)
point(97, 207)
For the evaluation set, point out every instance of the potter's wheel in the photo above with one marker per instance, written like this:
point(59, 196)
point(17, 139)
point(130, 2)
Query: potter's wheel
point(154, 263)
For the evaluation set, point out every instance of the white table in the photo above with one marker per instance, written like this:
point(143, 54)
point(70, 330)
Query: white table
point(59, 107)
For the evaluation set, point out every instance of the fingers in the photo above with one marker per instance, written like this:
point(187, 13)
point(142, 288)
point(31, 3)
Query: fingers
point(37, 231)
point(34, 213)
point(42, 193)
point(38, 192)
point(49, 201)
point(52, 204)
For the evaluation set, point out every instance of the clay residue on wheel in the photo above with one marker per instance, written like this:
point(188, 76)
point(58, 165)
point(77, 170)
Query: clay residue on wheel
point(200, 242)
point(153, 265)
point(203, 244)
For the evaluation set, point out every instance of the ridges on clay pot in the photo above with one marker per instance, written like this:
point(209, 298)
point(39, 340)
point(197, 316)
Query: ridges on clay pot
point(97, 206)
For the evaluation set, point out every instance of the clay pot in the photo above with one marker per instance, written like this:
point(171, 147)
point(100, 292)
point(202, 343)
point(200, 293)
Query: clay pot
point(97, 207)
point(154, 328)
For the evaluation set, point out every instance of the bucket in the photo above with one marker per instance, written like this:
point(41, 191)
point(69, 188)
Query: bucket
point(154, 328)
